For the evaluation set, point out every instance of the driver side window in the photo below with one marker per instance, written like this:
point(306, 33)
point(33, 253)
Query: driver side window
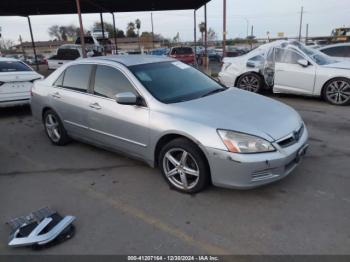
point(110, 81)
point(287, 56)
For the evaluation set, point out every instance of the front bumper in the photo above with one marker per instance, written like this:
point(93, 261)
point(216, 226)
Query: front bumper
point(245, 171)
point(227, 79)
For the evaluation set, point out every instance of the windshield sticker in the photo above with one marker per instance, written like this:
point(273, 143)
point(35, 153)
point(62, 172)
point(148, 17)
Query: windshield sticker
point(180, 65)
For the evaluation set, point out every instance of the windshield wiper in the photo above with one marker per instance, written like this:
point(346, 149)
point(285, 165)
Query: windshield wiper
point(214, 91)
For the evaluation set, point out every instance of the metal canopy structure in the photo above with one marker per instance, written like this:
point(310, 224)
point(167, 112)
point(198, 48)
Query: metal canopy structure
point(55, 7)
point(59, 7)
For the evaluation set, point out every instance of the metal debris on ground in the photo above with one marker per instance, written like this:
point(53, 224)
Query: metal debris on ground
point(40, 228)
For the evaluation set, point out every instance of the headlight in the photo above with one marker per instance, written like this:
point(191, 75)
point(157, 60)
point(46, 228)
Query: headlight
point(243, 143)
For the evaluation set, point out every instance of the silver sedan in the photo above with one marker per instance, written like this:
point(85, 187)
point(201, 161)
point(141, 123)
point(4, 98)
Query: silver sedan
point(171, 115)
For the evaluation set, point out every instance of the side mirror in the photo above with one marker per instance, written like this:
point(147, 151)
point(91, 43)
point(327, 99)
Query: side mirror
point(127, 98)
point(303, 62)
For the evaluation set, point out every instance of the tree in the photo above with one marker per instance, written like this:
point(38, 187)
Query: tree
point(176, 38)
point(130, 30)
point(63, 32)
point(202, 30)
point(6, 44)
point(54, 31)
point(146, 34)
point(138, 26)
point(211, 35)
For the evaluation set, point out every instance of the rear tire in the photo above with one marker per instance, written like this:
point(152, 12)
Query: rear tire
point(250, 82)
point(337, 91)
point(184, 166)
point(54, 128)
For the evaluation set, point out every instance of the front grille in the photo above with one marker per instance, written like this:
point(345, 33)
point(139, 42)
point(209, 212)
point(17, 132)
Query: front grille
point(262, 175)
point(292, 138)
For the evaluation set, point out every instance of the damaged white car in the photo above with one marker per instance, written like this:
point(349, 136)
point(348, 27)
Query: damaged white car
point(289, 67)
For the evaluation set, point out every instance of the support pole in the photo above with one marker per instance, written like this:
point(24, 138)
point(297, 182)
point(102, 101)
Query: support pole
point(224, 32)
point(82, 40)
point(301, 22)
point(195, 37)
point(33, 44)
point(115, 34)
point(307, 33)
point(103, 34)
point(206, 37)
point(152, 30)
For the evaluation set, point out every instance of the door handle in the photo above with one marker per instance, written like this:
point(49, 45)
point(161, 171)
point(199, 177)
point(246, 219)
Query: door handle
point(95, 106)
point(56, 95)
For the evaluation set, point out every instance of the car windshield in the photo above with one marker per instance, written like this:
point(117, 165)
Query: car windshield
point(173, 82)
point(13, 66)
point(316, 56)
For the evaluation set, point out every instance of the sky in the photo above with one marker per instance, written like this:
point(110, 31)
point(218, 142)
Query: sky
point(271, 16)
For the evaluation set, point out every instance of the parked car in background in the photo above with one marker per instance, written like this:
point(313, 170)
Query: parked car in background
point(65, 53)
point(213, 55)
point(184, 54)
point(16, 81)
point(97, 33)
point(289, 67)
point(173, 116)
point(91, 45)
point(340, 51)
point(40, 58)
point(159, 51)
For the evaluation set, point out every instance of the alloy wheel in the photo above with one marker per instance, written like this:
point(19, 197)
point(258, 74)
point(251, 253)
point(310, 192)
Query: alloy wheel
point(52, 127)
point(249, 83)
point(181, 168)
point(338, 92)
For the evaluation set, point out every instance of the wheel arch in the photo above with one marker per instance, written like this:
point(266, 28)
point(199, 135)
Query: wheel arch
point(166, 138)
point(247, 73)
point(330, 80)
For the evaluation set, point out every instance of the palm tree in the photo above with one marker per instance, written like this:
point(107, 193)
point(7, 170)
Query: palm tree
point(202, 30)
point(138, 26)
point(130, 29)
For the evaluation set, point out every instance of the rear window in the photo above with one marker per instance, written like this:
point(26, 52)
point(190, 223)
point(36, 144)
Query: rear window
point(87, 40)
point(13, 66)
point(182, 51)
point(67, 54)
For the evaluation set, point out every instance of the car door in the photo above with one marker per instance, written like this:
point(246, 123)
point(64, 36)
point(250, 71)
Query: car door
point(290, 76)
point(123, 127)
point(71, 100)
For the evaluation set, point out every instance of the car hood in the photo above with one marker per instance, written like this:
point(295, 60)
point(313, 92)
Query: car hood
point(241, 111)
point(340, 65)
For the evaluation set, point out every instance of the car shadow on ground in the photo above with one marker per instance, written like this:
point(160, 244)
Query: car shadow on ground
point(18, 111)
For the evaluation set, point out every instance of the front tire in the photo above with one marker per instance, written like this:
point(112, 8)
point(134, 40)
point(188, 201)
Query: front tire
point(54, 128)
point(250, 82)
point(184, 166)
point(337, 91)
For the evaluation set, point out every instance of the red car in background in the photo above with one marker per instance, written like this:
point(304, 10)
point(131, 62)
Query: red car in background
point(183, 53)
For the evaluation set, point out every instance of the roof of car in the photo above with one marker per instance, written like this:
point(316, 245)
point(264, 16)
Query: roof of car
point(8, 59)
point(130, 60)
